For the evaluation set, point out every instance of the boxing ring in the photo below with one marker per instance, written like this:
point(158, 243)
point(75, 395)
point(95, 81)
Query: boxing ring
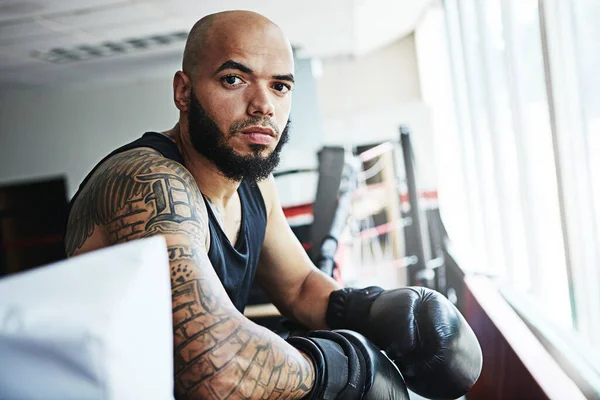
point(368, 224)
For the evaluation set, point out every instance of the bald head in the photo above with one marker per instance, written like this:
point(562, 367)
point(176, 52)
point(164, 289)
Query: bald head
point(223, 27)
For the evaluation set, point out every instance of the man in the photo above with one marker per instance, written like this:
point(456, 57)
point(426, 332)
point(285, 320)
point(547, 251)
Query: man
point(205, 186)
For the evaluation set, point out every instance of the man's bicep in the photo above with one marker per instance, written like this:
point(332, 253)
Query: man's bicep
point(139, 193)
point(136, 194)
point(159, 197)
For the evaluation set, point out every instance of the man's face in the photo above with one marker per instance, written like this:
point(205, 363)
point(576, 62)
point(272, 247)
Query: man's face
point(242, 91)
point(212, 143)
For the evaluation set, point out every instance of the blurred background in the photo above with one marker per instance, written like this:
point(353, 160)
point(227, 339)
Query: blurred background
point(471, 130)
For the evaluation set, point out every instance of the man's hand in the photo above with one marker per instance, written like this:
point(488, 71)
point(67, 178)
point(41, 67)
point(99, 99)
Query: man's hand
point(420, 330)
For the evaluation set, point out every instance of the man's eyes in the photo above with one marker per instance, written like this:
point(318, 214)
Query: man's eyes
point(282, 87)
point(231, 80)
point(234, 80)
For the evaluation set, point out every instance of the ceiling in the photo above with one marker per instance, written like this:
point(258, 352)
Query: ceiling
point(32, 32)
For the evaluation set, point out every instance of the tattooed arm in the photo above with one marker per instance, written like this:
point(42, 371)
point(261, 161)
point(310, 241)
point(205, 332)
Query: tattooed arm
point(218, 352)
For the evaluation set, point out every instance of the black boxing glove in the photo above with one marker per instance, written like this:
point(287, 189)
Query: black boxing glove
point(349, 367)
point(420, 330)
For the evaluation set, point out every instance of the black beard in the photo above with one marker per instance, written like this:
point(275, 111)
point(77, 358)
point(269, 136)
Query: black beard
point(209, 141)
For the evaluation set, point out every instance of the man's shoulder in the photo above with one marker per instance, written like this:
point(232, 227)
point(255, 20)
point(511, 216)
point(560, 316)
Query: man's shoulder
point(138, 161)
point(268, 189)
point(132, 157)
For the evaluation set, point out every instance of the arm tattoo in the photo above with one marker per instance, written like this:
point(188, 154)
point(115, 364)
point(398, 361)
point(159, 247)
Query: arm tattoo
point(135, 194)
point(218, 353)
point(259, 367)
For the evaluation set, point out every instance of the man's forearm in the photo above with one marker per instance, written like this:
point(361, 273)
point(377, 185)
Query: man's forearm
point(250, 362)
point(218, 352)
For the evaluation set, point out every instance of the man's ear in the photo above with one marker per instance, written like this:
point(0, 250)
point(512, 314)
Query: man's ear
point(182, 87)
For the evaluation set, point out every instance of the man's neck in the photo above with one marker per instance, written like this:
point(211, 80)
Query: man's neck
point(211, 182)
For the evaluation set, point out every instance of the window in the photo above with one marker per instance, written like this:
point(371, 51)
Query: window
point(539, 191)
point(525, 147)
point(587, 45)
point(570, 37)
point(509, 135)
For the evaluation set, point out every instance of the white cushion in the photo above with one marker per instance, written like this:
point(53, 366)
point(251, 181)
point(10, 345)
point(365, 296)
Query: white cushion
point(96, 326)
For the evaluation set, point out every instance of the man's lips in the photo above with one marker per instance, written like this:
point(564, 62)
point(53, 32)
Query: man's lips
point(258, 135)
point(258, 130)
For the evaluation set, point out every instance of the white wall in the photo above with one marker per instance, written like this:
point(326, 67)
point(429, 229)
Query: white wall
point(53, 131)
point(365, 100)
point(48, 132)
point(385, 76)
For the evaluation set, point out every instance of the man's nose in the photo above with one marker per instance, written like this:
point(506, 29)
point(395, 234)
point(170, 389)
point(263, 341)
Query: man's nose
point(261, 103)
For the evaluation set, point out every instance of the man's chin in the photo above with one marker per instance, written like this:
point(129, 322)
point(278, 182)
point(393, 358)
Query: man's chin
point(256, 151)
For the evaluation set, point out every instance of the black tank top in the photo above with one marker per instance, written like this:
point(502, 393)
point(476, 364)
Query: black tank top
point(235, 265)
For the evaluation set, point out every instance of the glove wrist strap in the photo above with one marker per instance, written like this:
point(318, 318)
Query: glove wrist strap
point(340, 372)
point(318, 361)
point(349, 308)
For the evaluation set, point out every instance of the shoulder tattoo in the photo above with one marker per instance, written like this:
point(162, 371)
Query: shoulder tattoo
point(136, 194)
